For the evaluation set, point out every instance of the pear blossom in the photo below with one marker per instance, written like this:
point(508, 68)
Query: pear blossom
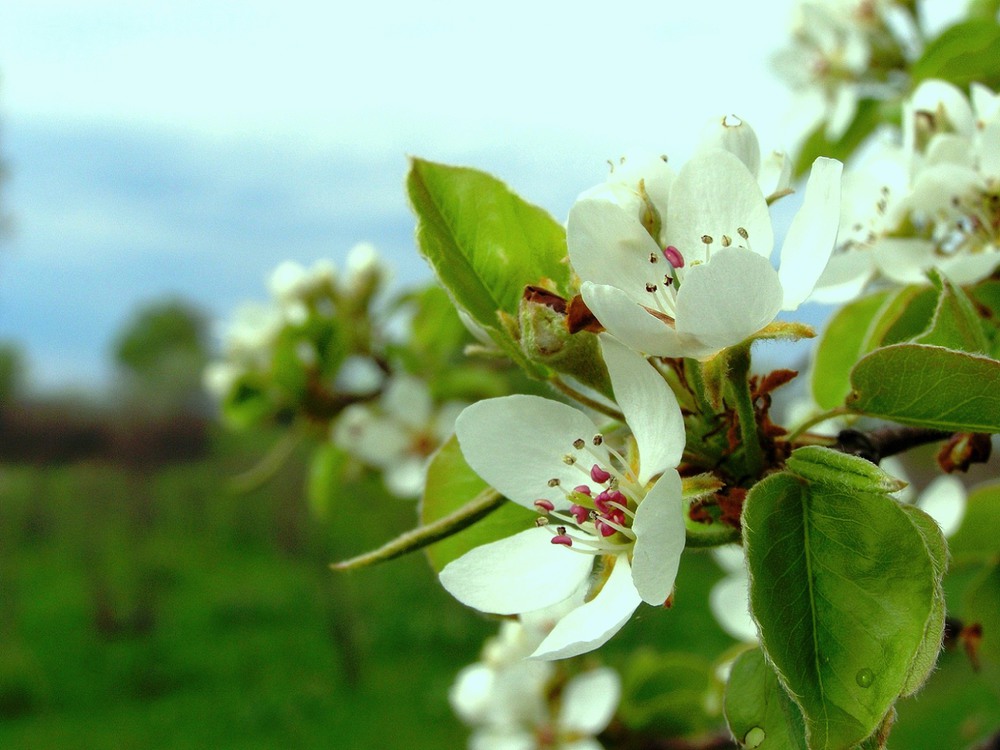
point(927, 201)
point(398, 433)
point(608, 522)
point(844, 51)
point(510, 702)
point(704, 282)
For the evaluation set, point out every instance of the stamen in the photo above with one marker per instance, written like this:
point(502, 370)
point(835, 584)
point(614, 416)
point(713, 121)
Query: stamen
point(598, 474)
point(569, 459)
point(554, 482)
point(579, 443)
point(598, 439)
point(673, 256)
point(743, 233)
point(726, 240)
point(583, 489)
point(580, 513)
point(563, 539)
point(546, 505)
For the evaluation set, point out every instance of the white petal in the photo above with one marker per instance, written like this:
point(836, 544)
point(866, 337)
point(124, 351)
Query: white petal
point(587, 743)
point(630, 322)
point(904, 259)
point(517, 574)
point(845, 277)
point(944, 501)
point(729, 601)
point(775, 173)
point(517, 444)
point(940, 97)
point(659, 539)
point(724, 301)
point(936, 186)
point(593, 624)
point(968, 268)
point(608, 245)
point(715, 195)
point(989, 150)
point(649, 406)
point(406, 477)
point(408, 400)
point(471, 692)
point(730, 558)
point(734, 135)
point(589, 701)
point(949, 148)
point(498, 739)
point(812, 235)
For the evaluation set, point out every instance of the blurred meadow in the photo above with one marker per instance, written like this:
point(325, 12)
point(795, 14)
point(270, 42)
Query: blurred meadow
point(165, 580)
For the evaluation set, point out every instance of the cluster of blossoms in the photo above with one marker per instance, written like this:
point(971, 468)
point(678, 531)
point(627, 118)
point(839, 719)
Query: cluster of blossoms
point(929, 201)
point(398, 432)
point(671, 265)
point(275, 349)
point(845, 51)
point(515, 703)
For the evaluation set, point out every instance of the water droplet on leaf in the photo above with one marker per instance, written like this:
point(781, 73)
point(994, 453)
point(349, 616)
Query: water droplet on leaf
point(865, 677)
point(754, 737)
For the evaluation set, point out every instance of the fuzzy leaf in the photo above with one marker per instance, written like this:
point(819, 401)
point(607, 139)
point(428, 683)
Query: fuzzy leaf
point(928, 386)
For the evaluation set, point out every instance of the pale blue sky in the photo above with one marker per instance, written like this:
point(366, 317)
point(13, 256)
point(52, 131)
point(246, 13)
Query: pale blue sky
point(188, 147)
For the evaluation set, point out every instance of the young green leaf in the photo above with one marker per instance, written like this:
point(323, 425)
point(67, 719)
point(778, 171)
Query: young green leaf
point(485, 244)
point(842, 587)
point(966, 52)
point(955, 324)
point(758, 710)
point(928, 386)
point(840, 347)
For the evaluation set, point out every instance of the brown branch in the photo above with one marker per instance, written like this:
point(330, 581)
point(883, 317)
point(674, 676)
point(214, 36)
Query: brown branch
point(886, 441)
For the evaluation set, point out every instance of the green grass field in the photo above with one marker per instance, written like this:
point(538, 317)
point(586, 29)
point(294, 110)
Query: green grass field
point(161, 610)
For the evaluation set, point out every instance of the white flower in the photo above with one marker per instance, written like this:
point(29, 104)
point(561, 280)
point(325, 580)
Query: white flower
point(708, 283)
point(616, 526)
point(525, 719)
point(398, 434)
point(930, 202)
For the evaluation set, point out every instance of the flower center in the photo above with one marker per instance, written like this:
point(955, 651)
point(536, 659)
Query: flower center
point(601, 508)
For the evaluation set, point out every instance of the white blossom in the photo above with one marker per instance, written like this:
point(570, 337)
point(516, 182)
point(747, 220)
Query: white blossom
point(614, 525)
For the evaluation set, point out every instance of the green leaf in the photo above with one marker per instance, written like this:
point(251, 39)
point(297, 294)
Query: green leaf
point(437, 335)
point(451, 484)
point(937, 550)
point(758, 710)
point(928, 386)
point(955, 324)
point(849, 473)
point(868, 116)
point(984, 9)
point(906, 314)
point(841, 345)
point(842, 587)
point(966, 52)
point(326, 474)
point(987, 297)
point(485, 244)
